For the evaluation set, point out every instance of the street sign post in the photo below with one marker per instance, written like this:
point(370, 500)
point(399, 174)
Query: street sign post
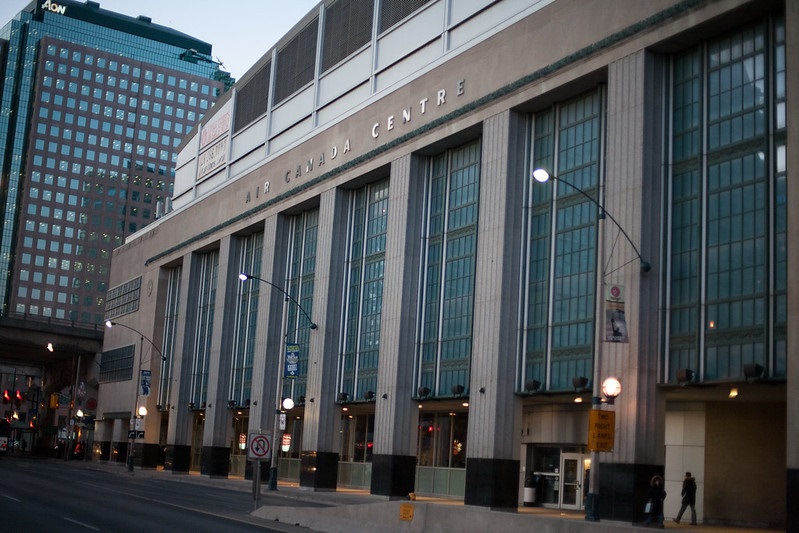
point(258, 448)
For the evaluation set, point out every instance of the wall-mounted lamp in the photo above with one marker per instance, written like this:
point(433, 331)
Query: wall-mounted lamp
point(384, 396)
point(482, 390)
point(423, 392)
point(611, 388)
point(369, 395)
point(733, 393)
point(753, 371)
point(457, 389)
point(342, 396)
point(231, 404)
point(685, 376)
point(191, 405)
point(532, 385)
point(301, 400)
point(580, 383)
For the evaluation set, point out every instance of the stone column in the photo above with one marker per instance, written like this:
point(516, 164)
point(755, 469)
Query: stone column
point(215, 460)
point(633, 194)
point(492, 462)
point(320, 439)
point(396, 417)
point(178, 451)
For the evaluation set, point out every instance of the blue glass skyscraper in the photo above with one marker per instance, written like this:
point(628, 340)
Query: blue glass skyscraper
point(92, 106)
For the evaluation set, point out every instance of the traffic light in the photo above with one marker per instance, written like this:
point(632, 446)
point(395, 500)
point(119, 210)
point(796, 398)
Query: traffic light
point(6, 396)
point(18, 398)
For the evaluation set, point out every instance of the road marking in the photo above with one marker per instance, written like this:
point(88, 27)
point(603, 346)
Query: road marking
point(81, 523)
point(11, 498)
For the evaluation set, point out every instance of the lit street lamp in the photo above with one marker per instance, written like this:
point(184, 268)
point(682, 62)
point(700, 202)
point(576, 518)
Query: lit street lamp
point(611, 387)
point(281, 403)
point(137, 413)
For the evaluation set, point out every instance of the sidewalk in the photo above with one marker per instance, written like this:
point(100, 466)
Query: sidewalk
point(357, 511)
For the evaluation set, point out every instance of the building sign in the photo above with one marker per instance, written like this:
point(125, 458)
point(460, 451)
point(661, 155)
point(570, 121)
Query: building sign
point(292, 368)
point(212, 159)
point(601, 430)
point(392, 125)
point(54, 7)
point(215, 129)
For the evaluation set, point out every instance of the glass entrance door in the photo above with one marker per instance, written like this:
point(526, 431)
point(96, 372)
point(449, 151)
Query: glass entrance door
point(572, 479)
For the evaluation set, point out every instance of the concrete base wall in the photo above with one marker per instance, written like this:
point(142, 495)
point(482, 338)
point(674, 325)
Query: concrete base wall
point(396, 516)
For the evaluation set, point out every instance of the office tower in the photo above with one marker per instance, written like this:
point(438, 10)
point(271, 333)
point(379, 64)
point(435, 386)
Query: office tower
point(92, 107)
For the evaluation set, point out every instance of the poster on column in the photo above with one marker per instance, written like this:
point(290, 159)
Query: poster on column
point(145, 383)
point(292, 368)
point(615, 323)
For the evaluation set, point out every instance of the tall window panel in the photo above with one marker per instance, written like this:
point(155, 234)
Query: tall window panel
point(246, 321)
point(727, 287)
point(300, 283)
point(447, 314)
point(207, 269)
point(561, 238)
point(170, 334)
point(364, 296)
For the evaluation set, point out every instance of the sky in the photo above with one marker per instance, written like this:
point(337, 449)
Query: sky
point(239, 31)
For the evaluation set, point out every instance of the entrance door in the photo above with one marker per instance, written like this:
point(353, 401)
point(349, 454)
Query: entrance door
point(572, 477)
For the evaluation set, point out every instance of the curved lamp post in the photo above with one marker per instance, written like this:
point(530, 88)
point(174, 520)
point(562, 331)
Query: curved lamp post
point(611, 387)
point(281, 404)
point(137, 412)
point(543, 176)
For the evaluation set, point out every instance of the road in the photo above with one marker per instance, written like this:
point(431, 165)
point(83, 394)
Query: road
point(52, 495)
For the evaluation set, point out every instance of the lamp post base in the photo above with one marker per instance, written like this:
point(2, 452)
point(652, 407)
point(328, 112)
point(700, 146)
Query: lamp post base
point(592, 507)
point(272, 478)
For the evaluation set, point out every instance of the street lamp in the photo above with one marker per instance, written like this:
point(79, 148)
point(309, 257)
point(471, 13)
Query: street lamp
point(541, 175)
point(611, 387)
point(137, 412)
point(282, 404)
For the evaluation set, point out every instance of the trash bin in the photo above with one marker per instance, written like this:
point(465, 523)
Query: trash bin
point(530, 485)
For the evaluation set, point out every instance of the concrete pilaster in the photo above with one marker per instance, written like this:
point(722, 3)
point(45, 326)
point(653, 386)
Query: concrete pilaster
point(494, 415)
point(396, 416)
point(320, 439)
point(633, 194)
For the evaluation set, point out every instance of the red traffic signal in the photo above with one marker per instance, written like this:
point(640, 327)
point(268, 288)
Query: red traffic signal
point(6, 396)
point(18, 398)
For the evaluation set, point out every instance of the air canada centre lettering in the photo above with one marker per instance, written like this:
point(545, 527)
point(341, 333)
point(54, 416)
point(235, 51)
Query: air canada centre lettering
point(301, 169)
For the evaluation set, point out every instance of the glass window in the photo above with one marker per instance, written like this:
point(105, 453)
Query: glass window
point(727, 86)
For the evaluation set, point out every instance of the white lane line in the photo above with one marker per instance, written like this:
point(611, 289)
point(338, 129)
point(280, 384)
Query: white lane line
point(81, 523)
point(12, 498)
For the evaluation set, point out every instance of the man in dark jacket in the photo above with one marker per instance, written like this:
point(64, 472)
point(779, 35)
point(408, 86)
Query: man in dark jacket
point(688, 498)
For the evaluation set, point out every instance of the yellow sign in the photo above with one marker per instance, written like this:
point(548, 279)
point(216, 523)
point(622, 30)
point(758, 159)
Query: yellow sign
point(406, 512)
point(601, 430)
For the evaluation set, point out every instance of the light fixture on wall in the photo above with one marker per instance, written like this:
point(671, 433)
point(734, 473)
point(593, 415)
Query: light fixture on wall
point(457, 389)
point(532, 385)
point(369, 395)
point(423, 392)
point(611, 388)
point(342, 396)
point(685, 376)
point(579, 383)
point(753, 371)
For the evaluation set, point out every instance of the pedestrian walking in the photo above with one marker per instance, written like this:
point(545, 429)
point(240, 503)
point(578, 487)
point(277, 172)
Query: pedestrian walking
point(688, 498)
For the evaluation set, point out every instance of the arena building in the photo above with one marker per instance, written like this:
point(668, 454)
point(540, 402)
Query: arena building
point(357, 228)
